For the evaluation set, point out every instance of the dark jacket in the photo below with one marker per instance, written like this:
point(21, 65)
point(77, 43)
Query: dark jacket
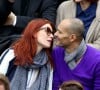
point(26, 12)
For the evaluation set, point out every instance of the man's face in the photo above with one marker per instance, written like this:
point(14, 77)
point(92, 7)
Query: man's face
point(62, 36)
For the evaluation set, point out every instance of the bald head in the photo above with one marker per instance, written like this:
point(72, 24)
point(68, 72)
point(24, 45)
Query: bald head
point(73, 26)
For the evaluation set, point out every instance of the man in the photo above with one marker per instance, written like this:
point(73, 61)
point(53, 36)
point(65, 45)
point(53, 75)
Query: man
point(22, 12)
point(73, 59)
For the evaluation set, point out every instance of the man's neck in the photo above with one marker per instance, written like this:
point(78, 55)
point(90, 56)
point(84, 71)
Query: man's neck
point(71, 48)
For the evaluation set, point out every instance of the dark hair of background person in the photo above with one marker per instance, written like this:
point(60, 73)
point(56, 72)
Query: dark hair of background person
point(4, 81)
point(71, 85)
point(25, 48)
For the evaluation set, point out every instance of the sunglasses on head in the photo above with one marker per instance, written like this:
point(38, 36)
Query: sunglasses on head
point(48, 30)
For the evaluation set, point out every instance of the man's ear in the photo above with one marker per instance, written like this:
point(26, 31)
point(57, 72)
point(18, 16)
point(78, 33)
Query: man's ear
point(72, 37)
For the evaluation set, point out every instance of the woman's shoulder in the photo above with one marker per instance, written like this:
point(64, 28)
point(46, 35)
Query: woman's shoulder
point(7, 54)
point(5, 60)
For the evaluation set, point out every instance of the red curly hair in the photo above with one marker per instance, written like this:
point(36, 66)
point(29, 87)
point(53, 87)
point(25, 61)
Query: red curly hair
point(25, 48)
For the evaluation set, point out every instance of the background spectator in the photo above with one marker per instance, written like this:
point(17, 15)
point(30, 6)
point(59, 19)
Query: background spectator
point(60, 1)
point(89, 12)
point(22, 12)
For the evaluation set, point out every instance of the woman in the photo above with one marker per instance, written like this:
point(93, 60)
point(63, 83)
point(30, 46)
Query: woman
point(30, 55)
point(89, 12)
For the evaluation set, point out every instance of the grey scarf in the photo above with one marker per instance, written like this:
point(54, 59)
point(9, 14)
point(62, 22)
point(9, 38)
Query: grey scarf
point(19, 81)
point(76, 55)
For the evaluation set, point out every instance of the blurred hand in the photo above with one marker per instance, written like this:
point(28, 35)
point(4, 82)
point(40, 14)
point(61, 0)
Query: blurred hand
point(10, 19)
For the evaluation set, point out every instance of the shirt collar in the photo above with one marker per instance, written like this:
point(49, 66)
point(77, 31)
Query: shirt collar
point(90, 10)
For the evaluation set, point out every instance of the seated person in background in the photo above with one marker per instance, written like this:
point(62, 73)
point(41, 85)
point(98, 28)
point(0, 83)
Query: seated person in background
point(73, 59)
point(28, 63)
point(89, 12)
point(71, 85)
point(60, 1)
point(4, 82)
point(22, 12)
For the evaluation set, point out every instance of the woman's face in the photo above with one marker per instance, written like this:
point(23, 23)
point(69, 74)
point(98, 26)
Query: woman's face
point(45, 36)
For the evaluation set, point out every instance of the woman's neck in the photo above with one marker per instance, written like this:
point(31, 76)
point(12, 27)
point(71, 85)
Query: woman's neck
point(84, 4)
point(39, 48)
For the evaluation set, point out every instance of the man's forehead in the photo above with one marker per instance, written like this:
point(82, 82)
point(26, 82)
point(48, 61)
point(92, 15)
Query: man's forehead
point(62, 27)
point(61, 30)
point(64, 24)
